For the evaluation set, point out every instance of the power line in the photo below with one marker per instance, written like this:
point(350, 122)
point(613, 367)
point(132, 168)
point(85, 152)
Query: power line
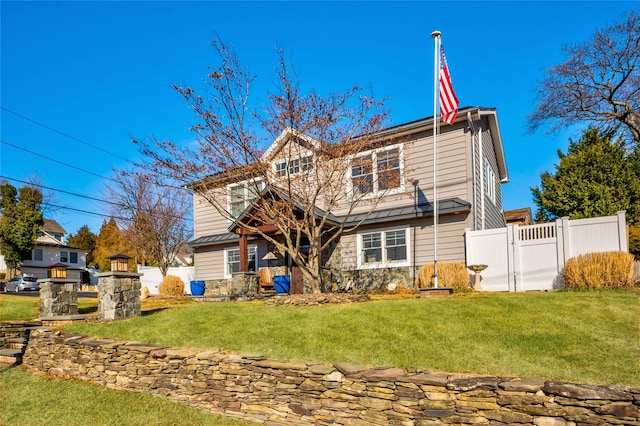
point(61, 190)
point(56, 161)
point(81, 196)
point(64, 134)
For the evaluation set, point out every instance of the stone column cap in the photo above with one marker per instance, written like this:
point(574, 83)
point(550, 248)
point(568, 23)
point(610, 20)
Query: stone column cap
point(118, 274)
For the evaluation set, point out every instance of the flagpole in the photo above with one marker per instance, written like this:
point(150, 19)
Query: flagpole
point(436, 85)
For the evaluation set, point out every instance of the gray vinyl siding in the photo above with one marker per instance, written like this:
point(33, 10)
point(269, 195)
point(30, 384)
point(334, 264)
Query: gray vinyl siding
point(452, 175)
point(206, 219)
point(492, 209)
point(209, 263)
point(450, 241)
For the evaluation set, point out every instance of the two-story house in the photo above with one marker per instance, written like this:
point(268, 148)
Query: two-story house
point(388, 235)
point(50, 249)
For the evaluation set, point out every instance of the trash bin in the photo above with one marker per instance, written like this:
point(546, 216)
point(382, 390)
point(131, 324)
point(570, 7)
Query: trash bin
point(197, 288)
point(282, 283)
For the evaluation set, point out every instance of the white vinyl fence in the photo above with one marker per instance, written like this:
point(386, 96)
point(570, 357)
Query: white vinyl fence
point(152, 277)
point(523, 258)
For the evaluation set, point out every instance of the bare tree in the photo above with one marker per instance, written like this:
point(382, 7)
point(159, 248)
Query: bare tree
point(153, 217)
point(293, 194)
point(599, 82)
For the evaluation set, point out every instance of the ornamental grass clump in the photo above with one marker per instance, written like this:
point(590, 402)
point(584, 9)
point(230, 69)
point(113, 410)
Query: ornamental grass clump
point(611, 270)
point(450, 274)
point(171, 286)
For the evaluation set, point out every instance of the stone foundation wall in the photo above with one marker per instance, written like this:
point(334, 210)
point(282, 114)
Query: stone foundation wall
point(241, 283)
point(379, 279)
point(303, 393)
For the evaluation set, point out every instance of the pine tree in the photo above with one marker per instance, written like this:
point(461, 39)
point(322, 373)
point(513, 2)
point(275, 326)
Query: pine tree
point(109, 242)
point(596, 177)
point(86, 240)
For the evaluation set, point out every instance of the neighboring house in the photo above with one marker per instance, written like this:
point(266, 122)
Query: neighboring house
point(50, 249)
point(519, 216)
point(397, 239)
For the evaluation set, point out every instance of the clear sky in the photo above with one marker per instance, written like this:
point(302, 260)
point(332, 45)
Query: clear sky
point(80, 79)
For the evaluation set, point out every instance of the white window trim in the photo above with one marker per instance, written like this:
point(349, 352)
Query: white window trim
point(384, 263)
point(287, 161)
point(490, 182)
point(245, 184)
point(253, 247)
point(374, 165)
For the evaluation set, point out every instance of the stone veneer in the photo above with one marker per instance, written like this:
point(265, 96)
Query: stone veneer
point(118, 295)
point(58, 296)
point(284, 392)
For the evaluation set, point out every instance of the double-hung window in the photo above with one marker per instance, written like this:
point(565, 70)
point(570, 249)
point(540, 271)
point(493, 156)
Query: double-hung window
point(293, 166)
point(64, 256)
point(73, 257)
point(232, 260)
point(37, 254)
point(387, 248)
point(377, 171)
point(241, 195)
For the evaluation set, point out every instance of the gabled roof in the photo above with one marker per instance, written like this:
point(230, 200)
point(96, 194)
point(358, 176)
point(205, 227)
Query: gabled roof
point(286, 136)
point(52, 227)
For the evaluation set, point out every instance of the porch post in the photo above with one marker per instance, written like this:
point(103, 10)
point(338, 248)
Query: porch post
point(244, 253)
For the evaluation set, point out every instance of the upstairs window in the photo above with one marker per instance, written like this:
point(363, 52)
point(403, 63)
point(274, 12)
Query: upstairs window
point(64, 256)
point(293, 167)
point(242, 195)
point(37, 254)
point(377, 171)
point(73, 257)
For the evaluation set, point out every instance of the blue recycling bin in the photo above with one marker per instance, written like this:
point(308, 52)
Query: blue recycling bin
point(197, 288)
point(282, 283)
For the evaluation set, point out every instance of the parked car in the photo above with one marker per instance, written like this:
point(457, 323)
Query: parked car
point(21, 284)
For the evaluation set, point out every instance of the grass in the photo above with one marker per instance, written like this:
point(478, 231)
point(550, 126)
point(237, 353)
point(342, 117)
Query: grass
point(587, 337)
point(17, 308)
point(30, 400)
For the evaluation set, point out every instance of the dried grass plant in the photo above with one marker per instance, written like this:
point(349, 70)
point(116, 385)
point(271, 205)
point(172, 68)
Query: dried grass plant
point(171, 286)
point(611, 270)
point(450, 274)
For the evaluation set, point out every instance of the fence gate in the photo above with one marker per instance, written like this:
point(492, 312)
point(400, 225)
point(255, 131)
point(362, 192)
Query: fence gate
point(524, 258)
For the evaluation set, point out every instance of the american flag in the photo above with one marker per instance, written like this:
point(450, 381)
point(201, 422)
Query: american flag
point(448, 100)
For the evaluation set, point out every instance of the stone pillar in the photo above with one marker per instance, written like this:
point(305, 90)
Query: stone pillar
point(118, 295)
point(58, 297)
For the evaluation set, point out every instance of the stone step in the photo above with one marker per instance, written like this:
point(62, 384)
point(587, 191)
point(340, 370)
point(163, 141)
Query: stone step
point(16, 342)
point(10, 356)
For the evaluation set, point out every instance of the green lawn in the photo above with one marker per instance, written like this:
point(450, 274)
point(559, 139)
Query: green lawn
point(589, 337)
point(30, 400)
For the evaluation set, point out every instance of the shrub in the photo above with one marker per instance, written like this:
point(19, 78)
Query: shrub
point(450, 274)
point(610, 270)
point(171, 286)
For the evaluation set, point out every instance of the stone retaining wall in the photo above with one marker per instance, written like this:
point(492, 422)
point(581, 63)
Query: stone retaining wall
point(283, 392)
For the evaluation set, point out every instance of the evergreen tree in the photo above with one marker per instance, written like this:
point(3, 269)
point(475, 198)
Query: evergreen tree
point(86, 240)
point(20, 219)
point(597, 177)
point(109, 242)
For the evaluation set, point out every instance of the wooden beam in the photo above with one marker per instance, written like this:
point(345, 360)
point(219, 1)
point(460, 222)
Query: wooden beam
point(244, 254)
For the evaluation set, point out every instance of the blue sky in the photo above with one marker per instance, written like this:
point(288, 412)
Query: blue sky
point(97, 74)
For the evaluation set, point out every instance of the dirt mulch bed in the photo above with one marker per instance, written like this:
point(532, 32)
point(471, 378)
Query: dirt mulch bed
point(316, 299)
